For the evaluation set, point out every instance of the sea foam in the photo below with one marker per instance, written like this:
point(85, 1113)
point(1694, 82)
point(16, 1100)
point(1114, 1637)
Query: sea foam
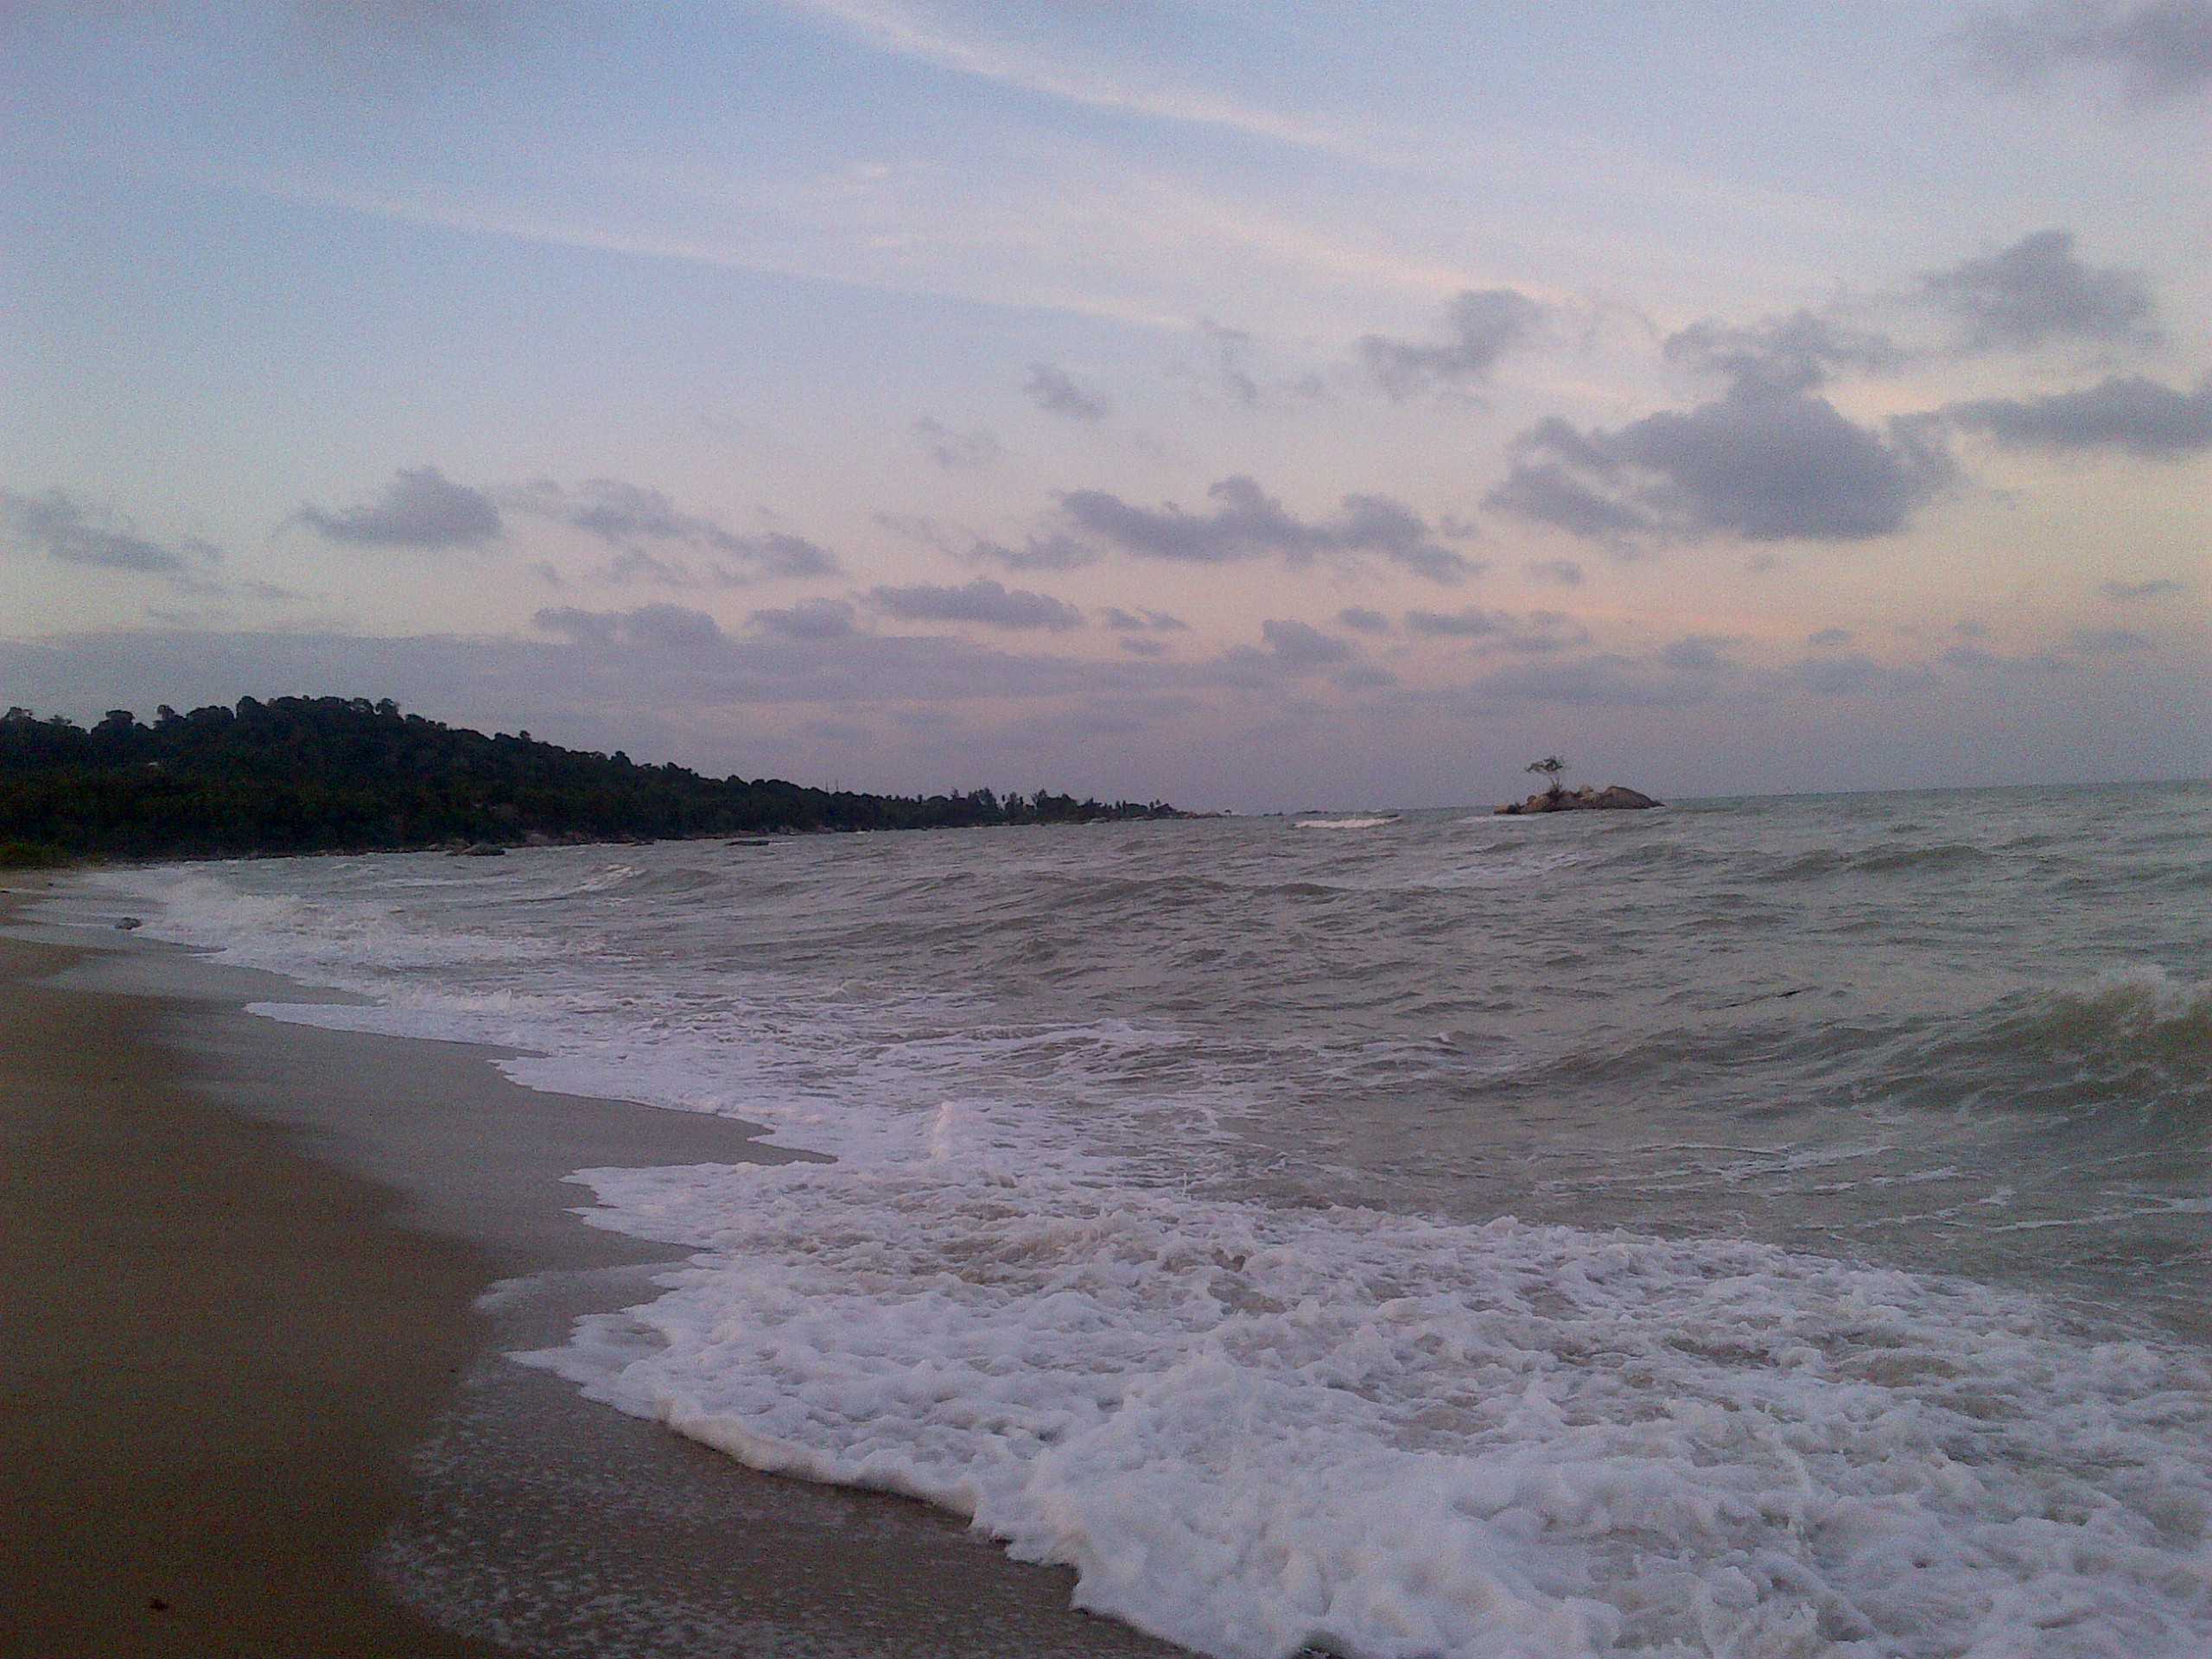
point(1259, 1432)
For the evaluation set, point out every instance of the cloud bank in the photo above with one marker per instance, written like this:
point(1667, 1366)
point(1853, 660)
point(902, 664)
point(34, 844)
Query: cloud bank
point(2129, 413)
point(67, 530)
point(2161, 51)
point(1761, 464)
point(1539, 633)
point(634, 520)
point(1246, 523)
point(1482, 326)
point(982, 601)
point(811, 619)
point(2036, 291)
point(421, 508)
point(1794, 354)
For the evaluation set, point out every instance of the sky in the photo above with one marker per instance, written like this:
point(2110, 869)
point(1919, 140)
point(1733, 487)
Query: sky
point(1253, 406)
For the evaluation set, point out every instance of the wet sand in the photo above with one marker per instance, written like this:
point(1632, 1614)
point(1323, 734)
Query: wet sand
point(219, 1355)
point(255, 1399)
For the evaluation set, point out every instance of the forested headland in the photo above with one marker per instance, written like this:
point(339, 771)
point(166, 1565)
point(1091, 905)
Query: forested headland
point(333, 774)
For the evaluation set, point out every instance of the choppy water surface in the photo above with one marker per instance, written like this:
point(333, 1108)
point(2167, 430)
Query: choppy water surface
point(1768, 1228)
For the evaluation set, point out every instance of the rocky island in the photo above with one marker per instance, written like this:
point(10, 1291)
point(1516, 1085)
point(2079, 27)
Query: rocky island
point(1614, 797)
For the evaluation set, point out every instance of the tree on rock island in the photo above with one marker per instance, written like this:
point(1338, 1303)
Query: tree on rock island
point(1550, 767)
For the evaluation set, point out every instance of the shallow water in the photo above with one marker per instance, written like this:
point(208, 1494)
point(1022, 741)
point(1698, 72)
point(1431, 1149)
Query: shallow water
point(1858, 1151)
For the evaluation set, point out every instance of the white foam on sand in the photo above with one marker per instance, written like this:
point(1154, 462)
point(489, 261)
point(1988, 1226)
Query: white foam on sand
point(1256, 1432)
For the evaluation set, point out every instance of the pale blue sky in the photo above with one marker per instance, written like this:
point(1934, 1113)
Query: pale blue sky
point(1254, 404)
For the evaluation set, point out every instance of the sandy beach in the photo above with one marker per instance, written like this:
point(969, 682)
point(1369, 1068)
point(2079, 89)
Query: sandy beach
point(258, 1403)
point(212, 1387)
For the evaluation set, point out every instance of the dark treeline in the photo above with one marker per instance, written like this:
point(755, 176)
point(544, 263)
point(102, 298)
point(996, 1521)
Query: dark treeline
point(325, 774)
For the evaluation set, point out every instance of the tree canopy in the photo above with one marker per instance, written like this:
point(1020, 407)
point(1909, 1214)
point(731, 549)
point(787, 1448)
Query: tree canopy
point(327, 774)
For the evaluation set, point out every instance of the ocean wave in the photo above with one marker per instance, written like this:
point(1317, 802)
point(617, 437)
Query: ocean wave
point(348, 944)
point(1668, 856)
point(613, 875)
point(203, 910)
point(1883, 861)
point(2136, 1039)
point(1136, 894)
point(1258, 1433)
point(1373, 821)
point(1076, 1275)
point(2136, 1012)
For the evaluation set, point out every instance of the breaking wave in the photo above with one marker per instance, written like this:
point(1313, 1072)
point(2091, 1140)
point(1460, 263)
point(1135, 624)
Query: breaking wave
point(1262, 1433)
point(2136, 1012)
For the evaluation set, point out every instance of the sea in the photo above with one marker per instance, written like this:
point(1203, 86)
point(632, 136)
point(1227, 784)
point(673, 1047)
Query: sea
point(1772, 1228)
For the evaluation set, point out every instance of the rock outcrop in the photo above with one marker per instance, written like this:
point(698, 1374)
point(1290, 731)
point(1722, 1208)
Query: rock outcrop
point(1614, 797)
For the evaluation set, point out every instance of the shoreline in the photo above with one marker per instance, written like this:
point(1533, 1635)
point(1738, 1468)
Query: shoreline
point(181, 1488)
point(89, 866)
point(271, 1274)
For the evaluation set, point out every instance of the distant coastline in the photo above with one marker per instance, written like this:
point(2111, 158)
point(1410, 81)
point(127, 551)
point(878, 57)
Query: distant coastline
point(299, 775)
